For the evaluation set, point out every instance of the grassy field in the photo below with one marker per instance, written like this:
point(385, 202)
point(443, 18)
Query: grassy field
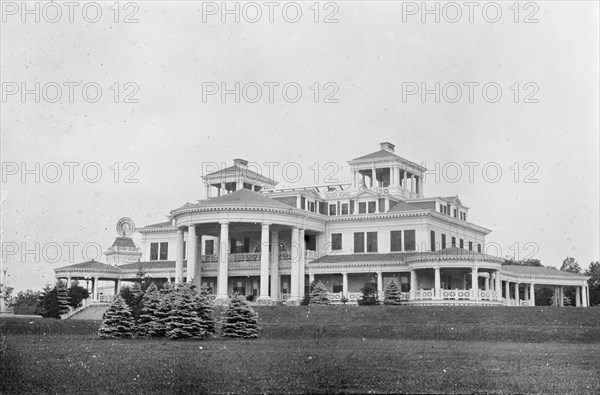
point(323, 350)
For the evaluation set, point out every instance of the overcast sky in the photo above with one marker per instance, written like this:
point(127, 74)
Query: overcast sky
point(541, 132)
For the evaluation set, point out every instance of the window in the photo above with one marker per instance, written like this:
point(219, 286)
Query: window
point(359, 242)
point(312, 206)
point(322, 208)
point(185, 250)
point(381, 205)
point(371, 241)
point(302, 202)
point(336, 241)
point(351, 206)
point(344, 208)
point(462, 243)
point(454, 212)
point(362, 208)
point(372, 207)
point(153, 251)
point(432, 240)
point(453, 241)
point(409, 240)
point(443, 241)
point(332, 209)
point(479, 248)
point(470, 246)
point(164, 251)
point(209, 247)
point(396, 240)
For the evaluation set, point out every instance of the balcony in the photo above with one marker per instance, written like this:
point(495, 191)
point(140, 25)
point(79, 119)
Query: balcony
point(309, 255)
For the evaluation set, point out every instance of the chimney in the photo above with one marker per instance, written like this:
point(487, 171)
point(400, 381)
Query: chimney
point(389, 147)
point(240, 163)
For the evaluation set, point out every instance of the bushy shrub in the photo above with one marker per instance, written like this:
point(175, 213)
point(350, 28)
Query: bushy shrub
point(48, 304)
point(370, 295)
point(76, 295)
point(206, 311)
point(240, 320)
point(391, 294)
point(183, 321)
point(117, 321)
point(318, 294)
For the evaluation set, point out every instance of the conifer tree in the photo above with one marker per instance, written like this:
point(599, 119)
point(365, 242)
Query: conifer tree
point(391, 294)
point(369, 294)
point(318, 294)
point(158, 325)
point(148, 317)
point(117, 321)
point(205, 311)
point(63, 298)
point(183, 321)
point(240, 320)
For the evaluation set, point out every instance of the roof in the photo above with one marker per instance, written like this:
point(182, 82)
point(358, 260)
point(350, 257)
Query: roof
point(150, 265)
point(243, 172)
point(160, 225)
point(241, 198)
point(382, 154)
point(454, 253)
point(392, 257)
point(89, 266)
point(543, 270)
point(402, 206)
point(124, 243)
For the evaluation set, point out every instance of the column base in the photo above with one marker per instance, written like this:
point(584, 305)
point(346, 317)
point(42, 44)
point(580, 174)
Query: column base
point(293, 301)
point(264, 300)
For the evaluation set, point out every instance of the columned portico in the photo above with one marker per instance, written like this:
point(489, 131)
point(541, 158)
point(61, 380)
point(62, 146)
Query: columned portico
point(295, 269)
point(264, 264)
point(223, 261)
point(302, 263)
point(179, 257)
point(191, 256)
point(275, 284)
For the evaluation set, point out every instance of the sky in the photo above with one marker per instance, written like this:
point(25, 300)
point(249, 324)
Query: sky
point(519, 145)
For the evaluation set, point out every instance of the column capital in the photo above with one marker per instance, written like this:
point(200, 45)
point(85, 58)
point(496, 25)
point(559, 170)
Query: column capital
point(266, 223)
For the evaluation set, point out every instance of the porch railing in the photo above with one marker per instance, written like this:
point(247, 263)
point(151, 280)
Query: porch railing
point(422, 294)
point(456, 294)
point(254, 257)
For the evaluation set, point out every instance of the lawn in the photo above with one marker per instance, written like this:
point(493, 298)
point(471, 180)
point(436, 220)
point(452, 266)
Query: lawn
point(322, 350)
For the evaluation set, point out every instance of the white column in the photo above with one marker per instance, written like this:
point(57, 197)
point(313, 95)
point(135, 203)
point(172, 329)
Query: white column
point(223, 262)
point(222, 191)
point(562, 296)
point(507, 289)
point(526, 291)
point(405, 181)
point(302, 264)
point(264, 263)
point(373, 176)
point(356, 179)
point(420, 185)
point(298, 201)
point(95, 289)
point(380, 285)
point(532, 294)
point(578, 297)
point(275, 265)
point(412, 183)
point(192, 249)
point(207, 190)
point(517, 302)
point(586, 297)
point(413, 281)
point(438, 284)
point(498, 284)
point(474, 285)
point(487, 283)
point(179, 257)
point(345, 284)
point(295, 281)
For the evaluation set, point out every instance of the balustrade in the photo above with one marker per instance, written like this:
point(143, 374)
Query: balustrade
point(456, 294)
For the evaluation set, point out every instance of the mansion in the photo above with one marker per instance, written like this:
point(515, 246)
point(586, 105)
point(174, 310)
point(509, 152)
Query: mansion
point(268, 243)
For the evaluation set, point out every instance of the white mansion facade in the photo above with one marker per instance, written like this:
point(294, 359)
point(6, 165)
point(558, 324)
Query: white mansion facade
point(252, 238)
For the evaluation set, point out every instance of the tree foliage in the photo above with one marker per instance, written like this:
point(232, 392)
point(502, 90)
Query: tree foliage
point(62, 296)
point(570, 265)
point(27, 298)
point(117, 321)
point(370, 295)
point(391, 294)
point(206, 311)
point(240, 320)
point(593, 271)
point(76, 295)
point(318, 294)
point(183, 321)
point(523, 262)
